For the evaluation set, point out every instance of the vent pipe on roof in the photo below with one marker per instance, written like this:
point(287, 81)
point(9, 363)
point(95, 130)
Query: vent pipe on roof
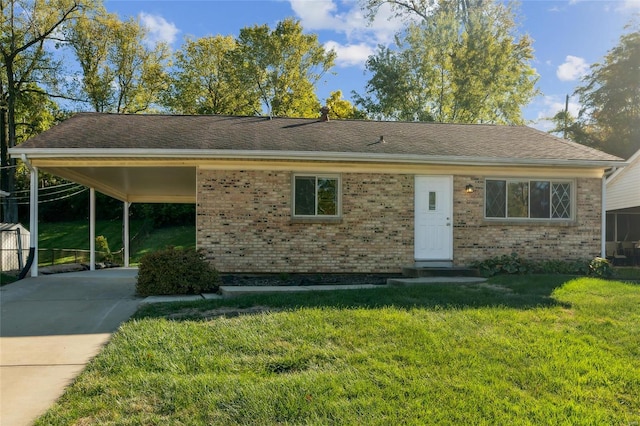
point(382, 139)
point(324, 111)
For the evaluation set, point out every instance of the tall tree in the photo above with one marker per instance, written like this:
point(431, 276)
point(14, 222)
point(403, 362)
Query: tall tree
point(120, 71)
point(421, 9)
point(283, 65)
point(448, 69)
point(205, 80)
point(610, 97)
point(568, 127)
point(25, 27)
point(341, 108)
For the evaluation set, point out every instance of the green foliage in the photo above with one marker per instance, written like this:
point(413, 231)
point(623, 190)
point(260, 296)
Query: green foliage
point(505, 264)
point(121, 73)
point(514, 264)
point(577, 267)
point(341, 108)
point(448, 68)
point(283, 65)
point(103, 245)
point(166, 215)
point(26, 67)
point(175, 271)
point(206, 81)
point(422, 9)
point(610, 96)
point(568, 127)
point(600, 267)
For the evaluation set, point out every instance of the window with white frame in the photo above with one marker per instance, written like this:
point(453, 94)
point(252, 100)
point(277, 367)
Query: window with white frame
point(528, 199)
point(316, 195)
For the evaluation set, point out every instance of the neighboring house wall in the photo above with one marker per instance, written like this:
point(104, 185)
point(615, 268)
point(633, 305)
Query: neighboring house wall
point(476, 238)
point(244, 225)
point(623, 189)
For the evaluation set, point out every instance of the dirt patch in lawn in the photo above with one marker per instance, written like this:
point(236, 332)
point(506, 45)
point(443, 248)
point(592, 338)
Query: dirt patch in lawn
point(225, 311)
point(494, 287)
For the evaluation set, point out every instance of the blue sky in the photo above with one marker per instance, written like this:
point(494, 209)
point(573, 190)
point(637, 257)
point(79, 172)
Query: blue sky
point(568, 35)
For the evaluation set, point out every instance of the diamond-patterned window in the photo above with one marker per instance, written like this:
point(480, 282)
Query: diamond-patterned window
point(561, 200)
point(528, 199)
point(496, 198)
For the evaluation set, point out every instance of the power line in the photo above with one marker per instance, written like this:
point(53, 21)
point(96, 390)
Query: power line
point(45, 188)
point(56, 199)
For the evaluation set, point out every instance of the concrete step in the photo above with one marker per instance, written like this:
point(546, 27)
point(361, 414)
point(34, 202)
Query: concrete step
point(417, 271)
point(402, 282)
point(229, 291)
point(433, 264)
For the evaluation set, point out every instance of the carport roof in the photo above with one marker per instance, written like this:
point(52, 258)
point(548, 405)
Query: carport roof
point(154, 157)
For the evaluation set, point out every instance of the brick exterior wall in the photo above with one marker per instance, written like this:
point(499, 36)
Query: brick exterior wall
point(244, 225)
point(477, 239)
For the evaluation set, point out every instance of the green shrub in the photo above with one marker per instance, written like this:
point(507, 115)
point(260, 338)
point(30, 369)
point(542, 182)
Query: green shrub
point(513, 264)
point(577, 267)
point(504, 264)
point(600, 267)
point(175, 271)
point(103, 245)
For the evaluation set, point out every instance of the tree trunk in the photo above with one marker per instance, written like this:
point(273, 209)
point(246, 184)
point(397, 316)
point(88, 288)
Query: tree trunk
point(7, 173)
point(9, 204)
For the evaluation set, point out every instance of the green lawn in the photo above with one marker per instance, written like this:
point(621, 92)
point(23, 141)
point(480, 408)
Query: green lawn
point(518, 350)
point(75, 235)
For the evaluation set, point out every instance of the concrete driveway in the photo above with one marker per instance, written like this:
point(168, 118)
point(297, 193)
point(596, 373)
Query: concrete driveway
point(50, 327)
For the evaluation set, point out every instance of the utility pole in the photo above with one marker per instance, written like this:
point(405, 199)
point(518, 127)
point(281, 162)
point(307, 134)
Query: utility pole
point(566, 114)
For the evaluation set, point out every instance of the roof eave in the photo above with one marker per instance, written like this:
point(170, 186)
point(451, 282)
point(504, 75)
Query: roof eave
point(34, 153)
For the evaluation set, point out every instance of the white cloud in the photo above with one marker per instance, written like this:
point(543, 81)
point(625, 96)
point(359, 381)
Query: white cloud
point(347, 18)
point(631, 4)
point(160, 30)
point(573, 68)
point(550, 105)
point(316, 15)
point(350, 54)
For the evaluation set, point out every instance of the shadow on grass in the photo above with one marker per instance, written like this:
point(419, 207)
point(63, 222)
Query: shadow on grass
point(517, 292)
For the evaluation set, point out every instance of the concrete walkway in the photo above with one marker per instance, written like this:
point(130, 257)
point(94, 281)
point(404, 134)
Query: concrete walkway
point(50, 327)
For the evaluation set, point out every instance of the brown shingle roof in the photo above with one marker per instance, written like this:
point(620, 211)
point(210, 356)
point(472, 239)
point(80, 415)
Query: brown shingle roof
point(211, 132)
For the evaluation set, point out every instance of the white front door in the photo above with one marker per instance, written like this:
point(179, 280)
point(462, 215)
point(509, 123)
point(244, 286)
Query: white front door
point(433, 218)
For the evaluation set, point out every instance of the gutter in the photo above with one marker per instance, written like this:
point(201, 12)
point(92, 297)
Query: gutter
point(51, 153)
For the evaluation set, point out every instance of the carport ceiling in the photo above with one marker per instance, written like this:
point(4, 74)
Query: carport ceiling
point(136, 184)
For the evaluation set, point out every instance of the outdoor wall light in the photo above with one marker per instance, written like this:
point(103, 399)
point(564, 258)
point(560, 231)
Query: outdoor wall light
point(468, 189)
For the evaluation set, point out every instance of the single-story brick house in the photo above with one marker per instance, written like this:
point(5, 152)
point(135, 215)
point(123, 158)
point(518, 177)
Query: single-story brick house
point(306, 195)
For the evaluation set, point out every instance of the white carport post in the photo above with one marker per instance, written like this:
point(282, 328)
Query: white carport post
point(125, 236)
point(33, 218)
point(603, 218)
point(92, 229)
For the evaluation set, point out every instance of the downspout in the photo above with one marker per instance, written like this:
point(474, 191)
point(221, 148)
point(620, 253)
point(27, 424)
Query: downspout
point(32, 259)
point(603, 213)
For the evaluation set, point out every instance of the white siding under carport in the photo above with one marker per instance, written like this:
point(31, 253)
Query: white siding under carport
point(623, 186)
